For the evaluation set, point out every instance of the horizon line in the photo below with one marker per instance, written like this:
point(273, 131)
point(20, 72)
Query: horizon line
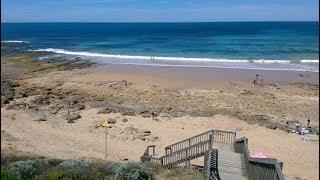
point(157, 21)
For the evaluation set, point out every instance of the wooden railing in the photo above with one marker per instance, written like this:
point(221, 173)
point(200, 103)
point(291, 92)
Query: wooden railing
point(258, 168)
point(147, 155)
point(182, 155)
point(211, 165)
point(220, 136)
point(188, 149)
point(190, 152)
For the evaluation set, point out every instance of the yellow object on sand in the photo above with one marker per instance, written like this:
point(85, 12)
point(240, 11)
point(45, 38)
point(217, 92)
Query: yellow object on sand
point(105, 124)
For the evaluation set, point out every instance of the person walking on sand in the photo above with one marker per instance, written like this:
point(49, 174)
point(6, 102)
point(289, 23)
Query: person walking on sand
point(256, 80)
point(308, 124)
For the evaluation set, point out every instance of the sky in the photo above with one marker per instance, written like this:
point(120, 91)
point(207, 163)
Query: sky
point(158, 10)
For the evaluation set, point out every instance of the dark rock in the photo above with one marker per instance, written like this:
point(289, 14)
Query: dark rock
point(156, 119)
point(127, 112)
point(70, 121)
point(139, 136)
point(155, 112)
point(146, 133)
point(41, 100)
point(111, 121)
point(152, 138)
point(146, 115)
point(79, 106)
point(247, 92)
point(272, 126)
point(7, 91)
point(21, 92)
point(131, 130)
point(124, 120)
point(41, 119)
point(72, 117)
point(176, 113)
point(105, 111)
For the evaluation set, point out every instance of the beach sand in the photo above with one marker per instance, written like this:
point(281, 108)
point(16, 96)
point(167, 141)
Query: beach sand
point(188, 101)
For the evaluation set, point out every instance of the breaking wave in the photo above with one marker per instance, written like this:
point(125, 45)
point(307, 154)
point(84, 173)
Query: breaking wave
point(90, 54)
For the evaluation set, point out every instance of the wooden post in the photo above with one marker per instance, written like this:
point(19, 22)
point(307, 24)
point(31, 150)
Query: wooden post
point(106, 143)
point(188, 162)
point(210, 141)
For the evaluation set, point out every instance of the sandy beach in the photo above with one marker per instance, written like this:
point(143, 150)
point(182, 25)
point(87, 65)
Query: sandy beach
point(59, 112)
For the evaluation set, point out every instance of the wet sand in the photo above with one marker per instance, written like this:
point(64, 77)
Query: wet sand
point(202, 77)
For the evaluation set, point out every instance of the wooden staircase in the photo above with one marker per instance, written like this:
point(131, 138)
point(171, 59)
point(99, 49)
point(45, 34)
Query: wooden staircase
point(231, 165)
point(224, 157)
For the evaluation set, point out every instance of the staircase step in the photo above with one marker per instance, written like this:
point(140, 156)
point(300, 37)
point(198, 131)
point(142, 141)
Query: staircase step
point(230, 176)
point(231, 165)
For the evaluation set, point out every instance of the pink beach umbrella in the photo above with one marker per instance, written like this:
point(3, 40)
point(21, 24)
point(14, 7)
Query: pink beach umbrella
point(259, 155)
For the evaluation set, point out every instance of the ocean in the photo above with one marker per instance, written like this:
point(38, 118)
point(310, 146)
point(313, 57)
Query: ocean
point(247, 45)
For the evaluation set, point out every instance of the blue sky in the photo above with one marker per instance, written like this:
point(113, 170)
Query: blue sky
point(158, 10)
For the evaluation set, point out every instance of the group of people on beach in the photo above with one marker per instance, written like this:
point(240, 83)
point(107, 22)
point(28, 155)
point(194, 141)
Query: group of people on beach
point(298, 129)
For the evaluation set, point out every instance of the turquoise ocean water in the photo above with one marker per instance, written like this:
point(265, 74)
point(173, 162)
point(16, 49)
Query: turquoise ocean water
point(248, 45)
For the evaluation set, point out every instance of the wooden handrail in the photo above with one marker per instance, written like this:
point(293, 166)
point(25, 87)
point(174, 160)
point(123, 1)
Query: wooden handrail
point(185, 154)
point(253, 163)
point(196, 139)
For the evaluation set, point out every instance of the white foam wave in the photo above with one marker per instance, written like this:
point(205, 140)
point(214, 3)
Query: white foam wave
point(309, 61)
point(89, 54)
point(14, 41)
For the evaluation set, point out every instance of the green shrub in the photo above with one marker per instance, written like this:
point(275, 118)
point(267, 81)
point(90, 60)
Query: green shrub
point(5, 175)
point(128, 170)
point(28, 169)
point(59, 174)
point(110, 170)
point(53, 161)
point(74, 164)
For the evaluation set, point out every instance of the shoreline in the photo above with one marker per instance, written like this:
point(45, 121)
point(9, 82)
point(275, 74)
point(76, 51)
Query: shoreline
point(302, 65)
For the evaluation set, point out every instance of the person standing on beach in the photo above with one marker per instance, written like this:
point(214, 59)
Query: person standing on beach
point(308, 124)
point(256, 80)
point(297, 126)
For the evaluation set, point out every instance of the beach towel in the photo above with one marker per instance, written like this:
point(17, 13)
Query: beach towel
point(259, 155)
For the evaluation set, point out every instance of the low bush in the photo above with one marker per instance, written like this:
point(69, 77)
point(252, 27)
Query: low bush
point(55, 169)
point(128, 170)
point(74, 164)
point(28, 169)
point(54, 162)
point(5, 175)
point(70, 174)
